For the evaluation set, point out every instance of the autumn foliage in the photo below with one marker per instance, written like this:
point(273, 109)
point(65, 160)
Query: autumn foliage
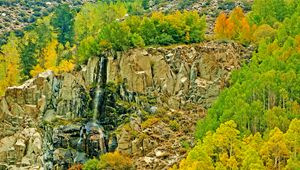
point(114, 160)
point(49, 61)
point(234, 27)
point(224, 149)
point(76, 167)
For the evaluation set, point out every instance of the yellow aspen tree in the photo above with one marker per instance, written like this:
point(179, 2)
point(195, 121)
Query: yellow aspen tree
point(275, 151)
point(36, 70)
point(11, 61)
point(65, 66)
point(47, 60)
point(50, 55)
point(236, 17)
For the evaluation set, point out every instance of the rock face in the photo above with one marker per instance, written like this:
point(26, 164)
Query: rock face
point(143, 102)
point(187, 74)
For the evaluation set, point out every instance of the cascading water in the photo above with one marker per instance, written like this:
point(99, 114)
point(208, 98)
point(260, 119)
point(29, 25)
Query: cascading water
point(92, 133)
point(96, 103)
point(99, 99)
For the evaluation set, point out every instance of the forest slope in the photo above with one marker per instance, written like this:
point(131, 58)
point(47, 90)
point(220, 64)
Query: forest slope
point(254, 124)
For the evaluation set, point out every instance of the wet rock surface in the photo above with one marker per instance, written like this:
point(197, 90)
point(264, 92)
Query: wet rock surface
point(144, 102)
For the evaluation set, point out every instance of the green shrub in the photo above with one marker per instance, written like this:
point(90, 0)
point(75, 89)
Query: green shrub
point(91, 164)
point(174, 125)
point(137, 40)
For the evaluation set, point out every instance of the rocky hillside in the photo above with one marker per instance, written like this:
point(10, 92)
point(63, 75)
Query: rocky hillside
point(143, 103)
point(16, 14)
point(210, 8)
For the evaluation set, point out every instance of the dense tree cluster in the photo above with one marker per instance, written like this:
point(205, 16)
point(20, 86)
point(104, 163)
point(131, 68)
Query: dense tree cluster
point(265, 88)
point(272, 11)
point(226, 149)
point(46, 45)
point(116, 30)
point(65, 38)
point(234, 27)
point(254, 124)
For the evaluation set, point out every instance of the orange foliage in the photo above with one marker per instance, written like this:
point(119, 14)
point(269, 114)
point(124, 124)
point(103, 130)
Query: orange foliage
point(297, 39)
point(221, 26)
point(229, 29)
point(236, 16)
point(235, 27)
point(245, 31)
point(76, 167)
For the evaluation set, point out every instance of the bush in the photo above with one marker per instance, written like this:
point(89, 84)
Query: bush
point(115, 161)
point(137, 40)
point(149, 122)
point(165, 39)
point(91, 164)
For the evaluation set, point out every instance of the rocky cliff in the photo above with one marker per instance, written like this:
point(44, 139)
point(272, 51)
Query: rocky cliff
point(143, 102)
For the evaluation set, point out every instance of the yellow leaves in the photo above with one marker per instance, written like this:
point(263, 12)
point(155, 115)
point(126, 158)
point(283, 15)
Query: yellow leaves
point(229, 162)
point(275, 149)
point(262, 32)
point(197, 159)
point(252, 160)
point(65, 66)
point(158, 16)
point(49, 61)
point(36, 70)
point(226, 150)
point(50, 55)
point(292, 137)
point(10, 50)
point(134, 23)
point(253, 141)
point(115, 161)
point(176, 20)
point(104, 44)
point(10, 62)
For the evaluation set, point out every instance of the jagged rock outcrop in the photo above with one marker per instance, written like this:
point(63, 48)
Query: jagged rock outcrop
point(181, 74)
point(25, 108)
point(50, 122)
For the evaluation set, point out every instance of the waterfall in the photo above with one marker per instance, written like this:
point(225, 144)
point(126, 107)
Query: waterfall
point(96, 103)
point(99, 99)
point(102, 141)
